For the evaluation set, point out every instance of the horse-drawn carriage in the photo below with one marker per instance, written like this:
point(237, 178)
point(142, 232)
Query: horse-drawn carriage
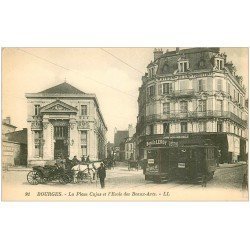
point(42, 175)
point(64, 174)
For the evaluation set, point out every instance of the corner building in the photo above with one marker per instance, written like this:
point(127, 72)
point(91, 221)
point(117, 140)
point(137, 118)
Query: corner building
point(193, 94)
point(64, 120)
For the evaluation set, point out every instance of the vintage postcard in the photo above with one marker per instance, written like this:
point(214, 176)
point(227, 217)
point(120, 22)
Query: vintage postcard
point(125, 124)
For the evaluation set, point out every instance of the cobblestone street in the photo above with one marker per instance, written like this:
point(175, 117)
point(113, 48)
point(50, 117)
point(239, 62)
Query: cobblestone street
point(227, 179)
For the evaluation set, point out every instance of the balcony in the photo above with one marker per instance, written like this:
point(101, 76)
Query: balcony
point(197, 114)
point(183, 93)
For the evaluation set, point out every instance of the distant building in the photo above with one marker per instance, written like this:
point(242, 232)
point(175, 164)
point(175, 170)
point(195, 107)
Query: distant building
point(7, 127)
point(64, 120)
point(110, 149)
point(193, 93)
point(20, 140)
point(121, 139)
point(130, 148)
point(14, 145)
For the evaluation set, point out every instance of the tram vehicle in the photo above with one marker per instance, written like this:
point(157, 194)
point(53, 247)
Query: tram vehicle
point(181, 161)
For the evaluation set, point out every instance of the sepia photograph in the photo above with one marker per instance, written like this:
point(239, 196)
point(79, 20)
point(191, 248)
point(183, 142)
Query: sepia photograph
point(125, 124)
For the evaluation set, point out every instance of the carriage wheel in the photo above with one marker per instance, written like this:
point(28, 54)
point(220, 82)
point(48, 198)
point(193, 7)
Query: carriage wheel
point(34, 178)
point(64, 179)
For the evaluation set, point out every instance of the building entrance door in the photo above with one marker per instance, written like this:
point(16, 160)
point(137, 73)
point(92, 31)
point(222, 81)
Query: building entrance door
point(61, 141)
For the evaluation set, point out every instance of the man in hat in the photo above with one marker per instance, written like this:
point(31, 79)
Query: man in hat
point(102, 175)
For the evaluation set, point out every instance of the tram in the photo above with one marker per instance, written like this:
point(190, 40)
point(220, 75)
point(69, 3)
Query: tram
point(186, 161)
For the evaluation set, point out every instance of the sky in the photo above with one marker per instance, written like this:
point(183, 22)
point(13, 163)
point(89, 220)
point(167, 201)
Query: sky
point(114, 79)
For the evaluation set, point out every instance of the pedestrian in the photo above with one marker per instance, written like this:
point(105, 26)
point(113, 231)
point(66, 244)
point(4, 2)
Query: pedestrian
point(204, 176)
point(83, 159)
point(75, 161)
point(102, 175)
point(87, 159)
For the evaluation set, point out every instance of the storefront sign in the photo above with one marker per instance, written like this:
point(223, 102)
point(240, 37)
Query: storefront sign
point(151, 161)
point(176, 137)
point(173, 144)
point(181, 165)
point(156, 142)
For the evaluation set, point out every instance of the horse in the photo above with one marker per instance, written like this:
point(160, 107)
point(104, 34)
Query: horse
point(87, 169)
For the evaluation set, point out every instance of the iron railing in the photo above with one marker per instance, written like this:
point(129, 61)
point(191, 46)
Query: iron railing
point(197, 114)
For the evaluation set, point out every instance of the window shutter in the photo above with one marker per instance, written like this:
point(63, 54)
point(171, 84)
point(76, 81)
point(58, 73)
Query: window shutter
point(204, 85)
point(195, 84)
point(209, 84)
point(159, 89)
point(209, 104)
point(170, 87)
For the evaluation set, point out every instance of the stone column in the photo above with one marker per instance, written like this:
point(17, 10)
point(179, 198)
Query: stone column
point(31, 145)
point(73, 140)
point(48, 139)
point(91, 143)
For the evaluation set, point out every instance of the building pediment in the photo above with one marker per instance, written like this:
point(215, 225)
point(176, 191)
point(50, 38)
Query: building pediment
point(58, 107)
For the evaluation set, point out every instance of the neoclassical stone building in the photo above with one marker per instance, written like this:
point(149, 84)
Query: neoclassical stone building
point(193, 94)
point(64, 120)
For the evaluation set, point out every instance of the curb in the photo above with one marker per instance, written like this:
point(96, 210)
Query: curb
point(235, 166)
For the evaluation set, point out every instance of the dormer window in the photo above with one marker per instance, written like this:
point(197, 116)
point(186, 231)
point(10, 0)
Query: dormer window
point(183, 66)
point(151, 72)
point(219, 63)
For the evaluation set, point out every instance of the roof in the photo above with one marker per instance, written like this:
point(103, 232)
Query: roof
point(18, 136)
point(120, 136)
point(168, 62)
point(63, 88)
point(66, 90)
point(10, 125)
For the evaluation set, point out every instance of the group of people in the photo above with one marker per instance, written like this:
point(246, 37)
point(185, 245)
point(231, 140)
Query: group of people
point(67, 164)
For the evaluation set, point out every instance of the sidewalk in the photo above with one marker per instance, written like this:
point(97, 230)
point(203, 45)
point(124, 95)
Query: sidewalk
point(232, 165)
point(17, 168)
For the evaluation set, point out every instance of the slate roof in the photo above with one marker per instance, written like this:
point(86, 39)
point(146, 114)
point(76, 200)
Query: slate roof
point(120, 136)
point(63, 88)
point(168, 62)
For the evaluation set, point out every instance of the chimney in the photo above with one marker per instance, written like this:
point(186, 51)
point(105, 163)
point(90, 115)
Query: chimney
point(157, 53)
point(131, 130)
point(7, 120)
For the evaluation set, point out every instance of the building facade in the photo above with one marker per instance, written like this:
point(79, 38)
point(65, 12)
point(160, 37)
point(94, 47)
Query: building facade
point(193, 93)
point(63, 120)
point(14, 145)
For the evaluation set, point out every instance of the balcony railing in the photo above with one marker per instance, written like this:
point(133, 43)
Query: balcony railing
point(184, 92)
point(197, 114)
